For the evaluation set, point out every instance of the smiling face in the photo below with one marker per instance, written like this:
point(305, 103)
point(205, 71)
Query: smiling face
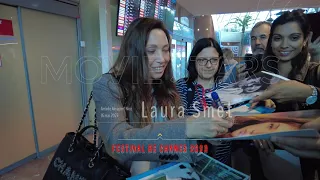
point(207, 63)
point(287, 41)
point(264, 128)
point(158, 53)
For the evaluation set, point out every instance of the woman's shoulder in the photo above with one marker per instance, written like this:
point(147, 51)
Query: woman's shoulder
point(182, 80)
point(106, 83)
point(106, 79)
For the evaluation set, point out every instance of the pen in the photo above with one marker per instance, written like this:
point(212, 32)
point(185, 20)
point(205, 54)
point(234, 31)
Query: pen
point(216, 99)
point(276, 75)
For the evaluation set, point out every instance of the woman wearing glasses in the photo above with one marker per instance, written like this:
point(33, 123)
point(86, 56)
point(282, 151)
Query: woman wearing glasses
point(206, 72)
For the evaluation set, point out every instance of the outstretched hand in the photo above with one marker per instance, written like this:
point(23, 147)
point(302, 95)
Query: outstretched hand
point(267, 103)
point(208, 124)
point(302, 147)
point(314, 47)
point(285, 91)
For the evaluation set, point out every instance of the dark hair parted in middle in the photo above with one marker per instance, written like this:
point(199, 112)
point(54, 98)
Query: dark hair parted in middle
point(270, 62)
point(133, 69)
point(198, 47)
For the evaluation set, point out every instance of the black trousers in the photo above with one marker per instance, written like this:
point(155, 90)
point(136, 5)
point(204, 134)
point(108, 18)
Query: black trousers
point(309, 168)
point(252, 152)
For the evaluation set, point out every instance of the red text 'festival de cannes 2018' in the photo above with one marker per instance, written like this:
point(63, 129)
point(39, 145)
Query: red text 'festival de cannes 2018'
point(162, 148)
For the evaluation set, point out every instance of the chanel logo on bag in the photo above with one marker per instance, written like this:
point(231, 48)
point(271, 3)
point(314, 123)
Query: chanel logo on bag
point(61, 166)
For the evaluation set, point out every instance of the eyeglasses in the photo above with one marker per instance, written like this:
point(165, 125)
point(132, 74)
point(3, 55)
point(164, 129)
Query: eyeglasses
point(204, 61)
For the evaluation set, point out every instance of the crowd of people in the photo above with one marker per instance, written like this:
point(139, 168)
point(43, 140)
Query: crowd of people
point(282, 47)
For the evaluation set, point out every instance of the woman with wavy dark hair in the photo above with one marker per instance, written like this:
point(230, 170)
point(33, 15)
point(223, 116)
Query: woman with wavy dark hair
point(287, 48)
point(286, 54)
point(137, 103)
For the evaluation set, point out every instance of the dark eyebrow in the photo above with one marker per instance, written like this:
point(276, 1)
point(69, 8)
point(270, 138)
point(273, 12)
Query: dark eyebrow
point(167, 45)
point(155, 46)
point(290, 34)
point(152, 46)
point(296, 34)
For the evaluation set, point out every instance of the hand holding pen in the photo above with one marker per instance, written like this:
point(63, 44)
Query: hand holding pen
point(216, 99)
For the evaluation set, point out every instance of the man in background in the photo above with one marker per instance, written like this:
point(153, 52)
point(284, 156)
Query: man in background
point(259, 37)
point(252, 63)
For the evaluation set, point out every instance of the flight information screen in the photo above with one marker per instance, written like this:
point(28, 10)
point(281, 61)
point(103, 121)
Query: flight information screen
point(129, 10)
point(147, 8)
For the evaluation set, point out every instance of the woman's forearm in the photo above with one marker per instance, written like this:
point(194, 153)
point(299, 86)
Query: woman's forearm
point(115, 130)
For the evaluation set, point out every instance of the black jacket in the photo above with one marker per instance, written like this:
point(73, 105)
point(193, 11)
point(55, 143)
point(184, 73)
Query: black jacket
point(310, 74)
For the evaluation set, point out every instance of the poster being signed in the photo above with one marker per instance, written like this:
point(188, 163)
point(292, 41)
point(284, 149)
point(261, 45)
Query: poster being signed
point(263, 126)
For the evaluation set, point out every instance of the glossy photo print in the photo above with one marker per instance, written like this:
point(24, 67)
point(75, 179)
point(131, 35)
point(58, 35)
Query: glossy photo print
point(262, 126)
point(241, 92)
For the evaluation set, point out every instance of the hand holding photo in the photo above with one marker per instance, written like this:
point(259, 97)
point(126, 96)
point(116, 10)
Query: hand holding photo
point(241, 92)
point(248, 127)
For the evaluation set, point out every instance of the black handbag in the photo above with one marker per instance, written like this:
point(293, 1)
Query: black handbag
point(78, 159)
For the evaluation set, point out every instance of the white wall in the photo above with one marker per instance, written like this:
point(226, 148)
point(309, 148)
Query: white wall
point(230, 36)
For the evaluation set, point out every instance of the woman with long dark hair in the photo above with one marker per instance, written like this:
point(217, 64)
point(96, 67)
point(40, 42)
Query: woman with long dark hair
point(137, 103)
point(286, 54)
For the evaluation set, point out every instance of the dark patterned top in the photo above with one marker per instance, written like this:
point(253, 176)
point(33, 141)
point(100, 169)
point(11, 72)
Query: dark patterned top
point(223, 151)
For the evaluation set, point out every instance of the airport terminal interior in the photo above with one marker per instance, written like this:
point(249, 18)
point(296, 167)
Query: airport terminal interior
point(51, 51)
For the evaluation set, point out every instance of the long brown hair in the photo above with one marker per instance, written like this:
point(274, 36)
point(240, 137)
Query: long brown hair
point(132, 69)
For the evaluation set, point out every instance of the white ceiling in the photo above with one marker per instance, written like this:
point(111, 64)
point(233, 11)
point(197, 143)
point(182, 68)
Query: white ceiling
point(208, 7)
